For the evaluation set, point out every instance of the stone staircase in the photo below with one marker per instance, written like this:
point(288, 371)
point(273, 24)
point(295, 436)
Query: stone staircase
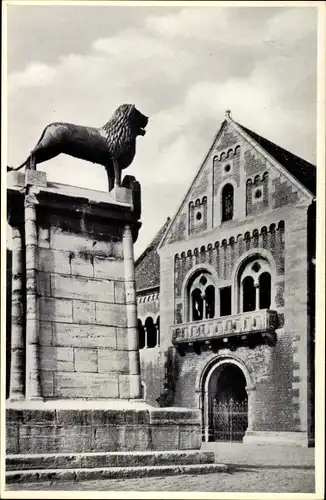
point(59, 467)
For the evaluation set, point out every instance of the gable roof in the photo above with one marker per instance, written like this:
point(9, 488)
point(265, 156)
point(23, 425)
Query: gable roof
point(299, 170)
point(302, 170)
point(147, 266)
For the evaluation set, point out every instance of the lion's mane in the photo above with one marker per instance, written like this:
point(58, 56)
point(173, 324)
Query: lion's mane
point(119, 130)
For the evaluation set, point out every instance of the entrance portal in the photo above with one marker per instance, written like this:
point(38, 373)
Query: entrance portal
point(227, 404)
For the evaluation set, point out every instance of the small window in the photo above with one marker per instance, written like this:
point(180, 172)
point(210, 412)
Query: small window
point(151, 333)
point(141, 335)
point(197, 305)
point(225, 301)
point(255, 285)
point(201, 303)
point(227, 202)
point(264, 291)
point(249, 294)
point(210, 302)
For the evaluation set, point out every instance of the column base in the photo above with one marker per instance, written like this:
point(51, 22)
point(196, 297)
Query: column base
point(99, 426)
point(279, 438)
point(16, 397)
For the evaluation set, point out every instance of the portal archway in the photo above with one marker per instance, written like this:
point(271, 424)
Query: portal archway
point(226, 406)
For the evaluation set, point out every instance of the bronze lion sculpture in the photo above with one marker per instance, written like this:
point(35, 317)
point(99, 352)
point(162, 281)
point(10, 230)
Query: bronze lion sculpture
point(113, 145)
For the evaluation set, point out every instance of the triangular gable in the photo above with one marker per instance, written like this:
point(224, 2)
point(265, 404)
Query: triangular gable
point(179, 220)
point(292, 171)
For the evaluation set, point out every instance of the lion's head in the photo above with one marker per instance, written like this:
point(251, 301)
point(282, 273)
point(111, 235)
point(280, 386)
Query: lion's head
point(128, 117)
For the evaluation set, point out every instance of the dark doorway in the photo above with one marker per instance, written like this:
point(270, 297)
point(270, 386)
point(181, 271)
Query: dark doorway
point(228, 404)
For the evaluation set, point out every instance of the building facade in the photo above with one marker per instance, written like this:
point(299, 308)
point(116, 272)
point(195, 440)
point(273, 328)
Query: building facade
point(226, 295)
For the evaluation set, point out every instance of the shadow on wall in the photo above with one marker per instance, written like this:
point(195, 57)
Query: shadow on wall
point(171, 373)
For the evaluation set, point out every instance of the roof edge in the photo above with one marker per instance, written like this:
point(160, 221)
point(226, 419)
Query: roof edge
point(239, 128)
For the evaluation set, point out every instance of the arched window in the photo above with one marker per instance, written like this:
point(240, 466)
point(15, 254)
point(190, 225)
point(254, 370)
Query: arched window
point(248, 294)
point(141, 335)
point(254, 284)
point(197, 305)
point(227, 202)
point(210, 302)
point(201, 297)
point(151, 332)
point(264, 291)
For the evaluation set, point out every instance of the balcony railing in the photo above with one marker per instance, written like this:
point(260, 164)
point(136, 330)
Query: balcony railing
point(263, 320)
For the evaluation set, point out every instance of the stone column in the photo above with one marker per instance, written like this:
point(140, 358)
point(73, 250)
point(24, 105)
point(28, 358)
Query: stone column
point(251, 392)
point(207, 409)
point(145, 338)
point(257, 296)
point(131, 306)
point(157, 335)
point(33, 384)
point(17, 366)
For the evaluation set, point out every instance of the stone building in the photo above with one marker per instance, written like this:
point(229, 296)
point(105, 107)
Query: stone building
point(226, 295)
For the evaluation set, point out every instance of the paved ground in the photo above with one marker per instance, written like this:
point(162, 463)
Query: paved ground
point(274, 469)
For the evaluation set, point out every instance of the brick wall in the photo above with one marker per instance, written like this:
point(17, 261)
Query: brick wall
point(223, 256)
point(271, 374)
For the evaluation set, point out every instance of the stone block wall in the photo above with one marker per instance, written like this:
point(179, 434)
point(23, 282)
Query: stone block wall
point(95, 430)
point(82, 311)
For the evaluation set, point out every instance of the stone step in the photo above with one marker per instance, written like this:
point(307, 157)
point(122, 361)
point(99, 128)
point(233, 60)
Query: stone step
point(97, 473)
point(110, 459)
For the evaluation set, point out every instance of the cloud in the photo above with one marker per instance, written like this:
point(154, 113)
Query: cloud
point(35, 75)
point(183, 68)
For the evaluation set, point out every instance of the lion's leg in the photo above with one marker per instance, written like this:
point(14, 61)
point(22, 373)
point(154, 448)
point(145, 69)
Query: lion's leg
point(110, 179)
point(117, 173)
point(32, 162)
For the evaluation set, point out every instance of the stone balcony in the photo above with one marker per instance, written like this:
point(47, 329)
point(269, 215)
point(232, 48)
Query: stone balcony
point(249, 329)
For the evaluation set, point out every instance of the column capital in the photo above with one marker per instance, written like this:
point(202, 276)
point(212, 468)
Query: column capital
point(250, 388)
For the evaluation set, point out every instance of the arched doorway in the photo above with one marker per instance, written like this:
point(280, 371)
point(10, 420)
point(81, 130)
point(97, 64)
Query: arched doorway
point(226, 403)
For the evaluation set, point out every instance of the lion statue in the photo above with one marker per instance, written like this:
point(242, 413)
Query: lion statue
point(113, 145)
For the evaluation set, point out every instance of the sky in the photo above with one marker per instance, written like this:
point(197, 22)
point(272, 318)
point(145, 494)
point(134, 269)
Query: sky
point(181, 66)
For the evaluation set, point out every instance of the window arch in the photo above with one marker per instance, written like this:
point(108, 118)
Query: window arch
point(227, 202)
point(254, 285)
point(141, 335)
point(248, 294)
point(201, 296)
point(264, 291)
point(210, 301)
point(151, 332)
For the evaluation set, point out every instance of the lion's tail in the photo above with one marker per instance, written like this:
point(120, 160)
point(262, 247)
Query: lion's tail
point(12, 169)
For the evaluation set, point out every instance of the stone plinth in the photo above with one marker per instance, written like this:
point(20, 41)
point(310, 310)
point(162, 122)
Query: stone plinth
point(75, 370)
point(75, 317)
point(88, 426)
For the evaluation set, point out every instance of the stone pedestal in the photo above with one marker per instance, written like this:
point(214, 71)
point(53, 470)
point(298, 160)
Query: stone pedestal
point(75, 370)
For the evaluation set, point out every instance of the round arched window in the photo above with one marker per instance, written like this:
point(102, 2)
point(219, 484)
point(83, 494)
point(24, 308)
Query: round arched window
point(201, 297)
point(255, 285)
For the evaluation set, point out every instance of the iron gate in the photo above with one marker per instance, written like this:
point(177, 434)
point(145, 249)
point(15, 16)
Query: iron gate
point(229, 420)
